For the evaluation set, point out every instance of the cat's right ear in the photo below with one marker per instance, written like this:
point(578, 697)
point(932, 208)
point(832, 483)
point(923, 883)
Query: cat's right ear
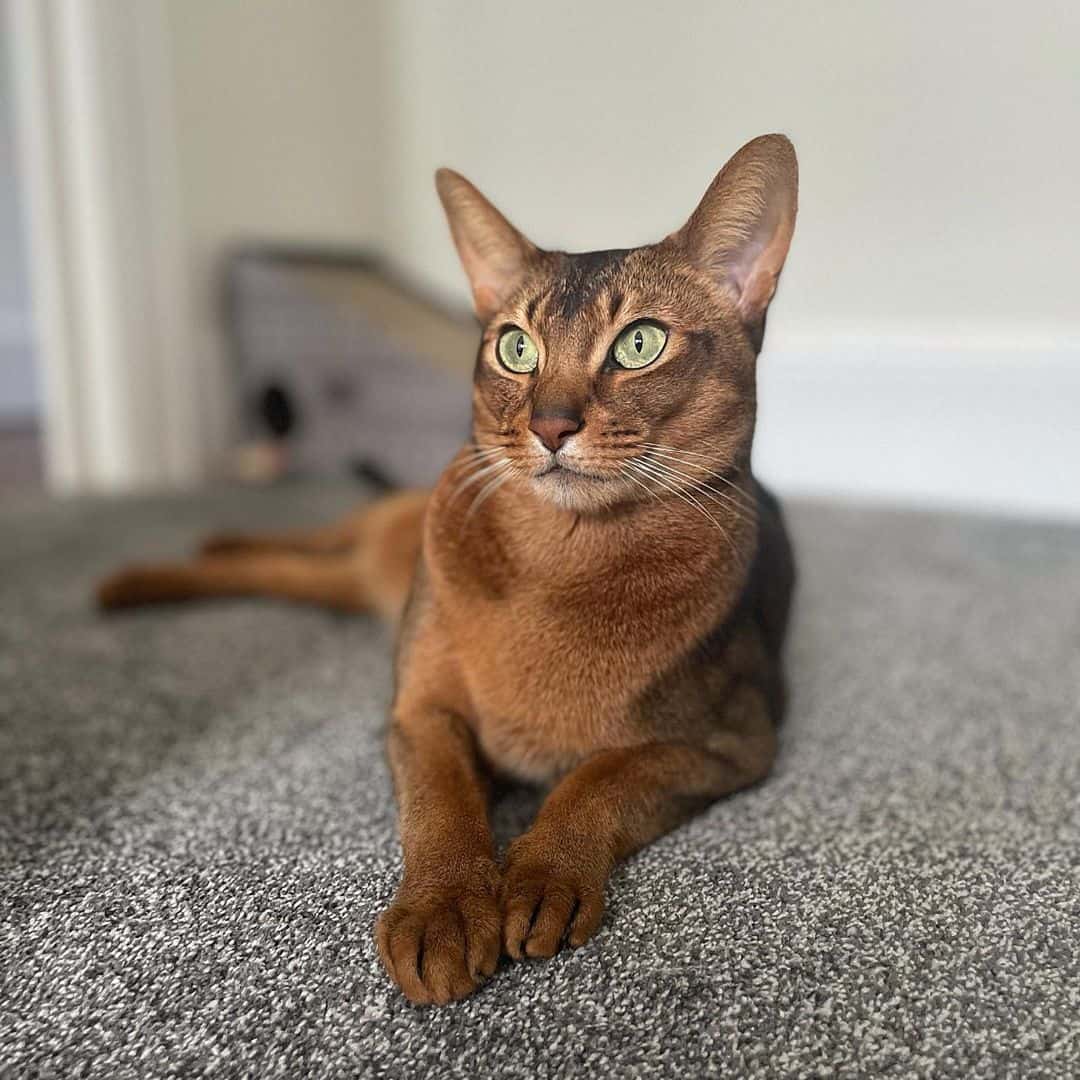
point(495, 255)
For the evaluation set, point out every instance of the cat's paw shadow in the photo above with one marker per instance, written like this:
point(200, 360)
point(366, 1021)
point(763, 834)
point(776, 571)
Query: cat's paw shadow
point(514, 806)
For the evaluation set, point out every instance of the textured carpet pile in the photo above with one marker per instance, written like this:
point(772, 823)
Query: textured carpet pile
point(197, 831)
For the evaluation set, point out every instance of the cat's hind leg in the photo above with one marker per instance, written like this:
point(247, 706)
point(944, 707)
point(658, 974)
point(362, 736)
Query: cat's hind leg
point(328, 582)
point(371, 571)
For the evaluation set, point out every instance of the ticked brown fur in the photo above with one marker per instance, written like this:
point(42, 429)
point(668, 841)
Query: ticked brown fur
point(597, 587)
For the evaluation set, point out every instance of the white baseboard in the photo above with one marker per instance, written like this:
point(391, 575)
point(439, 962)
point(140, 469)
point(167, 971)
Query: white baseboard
point(976, 424)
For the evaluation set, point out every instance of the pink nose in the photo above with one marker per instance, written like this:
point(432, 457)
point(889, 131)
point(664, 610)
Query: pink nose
point(553, 429)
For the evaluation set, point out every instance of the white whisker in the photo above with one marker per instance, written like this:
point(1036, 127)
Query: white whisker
point(490, 488)
point(658, 478)
point(479, 453)
point(683, 458)
point(479, 471)
point(688, 453)
point(741, 509)
point(629, 476)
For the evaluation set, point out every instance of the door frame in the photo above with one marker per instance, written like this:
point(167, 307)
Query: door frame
point(109, 266)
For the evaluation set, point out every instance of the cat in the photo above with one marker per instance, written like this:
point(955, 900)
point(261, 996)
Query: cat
point(594, 595)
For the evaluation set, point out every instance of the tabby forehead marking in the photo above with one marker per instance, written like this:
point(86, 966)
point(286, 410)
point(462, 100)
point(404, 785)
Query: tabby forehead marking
point(582, 279)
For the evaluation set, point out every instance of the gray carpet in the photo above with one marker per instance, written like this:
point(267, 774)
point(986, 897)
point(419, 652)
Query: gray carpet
point(196, 832)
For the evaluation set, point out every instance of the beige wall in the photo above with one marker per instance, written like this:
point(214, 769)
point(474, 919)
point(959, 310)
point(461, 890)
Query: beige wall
point(925, 344)
point(276, 101)
point(277, 110)
point(938, 141)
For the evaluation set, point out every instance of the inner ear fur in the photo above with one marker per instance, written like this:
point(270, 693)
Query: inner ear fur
point(741, 229)
point(495, 255)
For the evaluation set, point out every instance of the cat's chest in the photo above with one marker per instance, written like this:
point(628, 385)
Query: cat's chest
point(556, 637)
point(551, 680)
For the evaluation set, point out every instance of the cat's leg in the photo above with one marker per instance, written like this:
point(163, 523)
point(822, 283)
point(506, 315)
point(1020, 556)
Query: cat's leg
point(373, 572)
point(327, 582)
point(612, 805)
point(442, 934)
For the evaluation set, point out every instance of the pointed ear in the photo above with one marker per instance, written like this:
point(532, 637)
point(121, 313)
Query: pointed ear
point(494, 254)
point(742, 228)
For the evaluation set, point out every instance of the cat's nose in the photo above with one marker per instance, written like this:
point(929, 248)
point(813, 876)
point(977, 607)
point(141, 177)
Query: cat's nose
point(554, 428)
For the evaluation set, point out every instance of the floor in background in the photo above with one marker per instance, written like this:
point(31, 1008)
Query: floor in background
point(20, 458)
point(196, 831)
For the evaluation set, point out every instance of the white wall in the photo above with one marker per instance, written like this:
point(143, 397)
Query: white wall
point(938, 142)
point(926, 339)
point(925, 344)
point(155, 135)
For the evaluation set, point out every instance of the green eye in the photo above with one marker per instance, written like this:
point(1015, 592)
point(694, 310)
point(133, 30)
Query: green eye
point(639, 345)
point(517, 351)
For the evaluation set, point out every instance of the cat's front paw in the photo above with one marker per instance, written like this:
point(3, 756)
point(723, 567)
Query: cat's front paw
point(440, 939)
point(553, 891)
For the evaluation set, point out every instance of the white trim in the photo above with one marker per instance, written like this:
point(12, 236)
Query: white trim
point(86, 163)
point(97, 143)
point(37, 116)
point(970, 345)
point(974, 422)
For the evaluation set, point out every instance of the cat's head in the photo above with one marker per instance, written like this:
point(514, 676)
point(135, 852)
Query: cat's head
point(613, 376)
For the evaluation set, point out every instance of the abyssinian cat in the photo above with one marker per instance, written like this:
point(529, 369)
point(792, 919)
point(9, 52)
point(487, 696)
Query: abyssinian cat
point(595, 593)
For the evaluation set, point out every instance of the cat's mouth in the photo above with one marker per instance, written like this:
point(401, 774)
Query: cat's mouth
point(565, 471)
point(573, 486)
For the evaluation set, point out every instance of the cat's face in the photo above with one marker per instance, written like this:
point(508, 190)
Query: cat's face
point(619, 376)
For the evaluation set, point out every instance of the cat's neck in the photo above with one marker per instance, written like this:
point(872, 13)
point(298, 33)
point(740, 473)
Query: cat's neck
point(516, 534)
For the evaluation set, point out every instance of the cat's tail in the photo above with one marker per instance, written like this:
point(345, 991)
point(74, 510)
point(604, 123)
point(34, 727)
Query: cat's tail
point(363, 563)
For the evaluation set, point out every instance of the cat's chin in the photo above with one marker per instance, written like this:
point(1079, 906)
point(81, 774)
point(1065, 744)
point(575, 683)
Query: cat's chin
point(576, 491)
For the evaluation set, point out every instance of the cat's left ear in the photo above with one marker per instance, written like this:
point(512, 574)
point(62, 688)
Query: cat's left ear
point(494, 254)
point(741, 230)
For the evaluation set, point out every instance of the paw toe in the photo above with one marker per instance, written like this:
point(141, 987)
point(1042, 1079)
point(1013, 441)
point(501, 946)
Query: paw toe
point(551, 921)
